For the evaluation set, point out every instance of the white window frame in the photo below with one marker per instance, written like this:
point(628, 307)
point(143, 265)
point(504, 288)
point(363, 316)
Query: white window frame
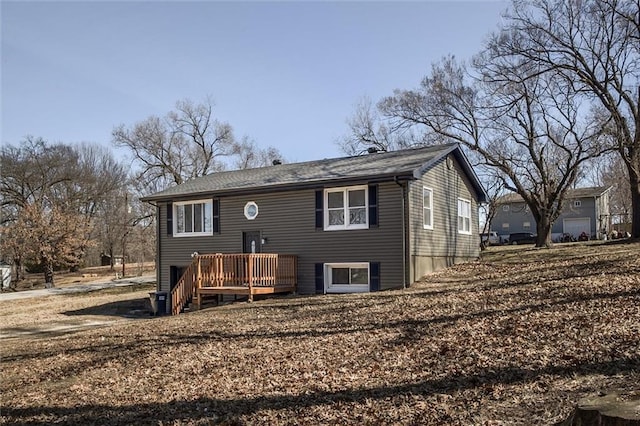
point(526, 225)
point(247, 210)
point(505, 225)
point(505, 208)
point(577, 203)
point(329, 287)
point(464, 201)
point(429, 208)
point(206, 203)
point(345, 205)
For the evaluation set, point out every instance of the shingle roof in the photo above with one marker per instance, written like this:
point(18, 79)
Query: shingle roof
point(589, 192)
point(383, 165)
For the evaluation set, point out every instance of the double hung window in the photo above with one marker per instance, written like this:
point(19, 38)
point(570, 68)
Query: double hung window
point(464, 216)
point(427, 208)
point(346, 208)
point(192, 218)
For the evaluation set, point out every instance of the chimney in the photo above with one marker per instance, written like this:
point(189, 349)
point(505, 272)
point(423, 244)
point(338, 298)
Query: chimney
point(276, 162)
point(372, 150)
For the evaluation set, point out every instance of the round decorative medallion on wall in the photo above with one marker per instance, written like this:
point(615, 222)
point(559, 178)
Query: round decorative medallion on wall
point(449, 162)
point(251, 210)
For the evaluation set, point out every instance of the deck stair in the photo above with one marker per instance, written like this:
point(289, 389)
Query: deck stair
point(238, 274)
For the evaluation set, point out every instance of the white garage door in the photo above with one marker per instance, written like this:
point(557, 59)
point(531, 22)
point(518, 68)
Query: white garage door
point(576, 226)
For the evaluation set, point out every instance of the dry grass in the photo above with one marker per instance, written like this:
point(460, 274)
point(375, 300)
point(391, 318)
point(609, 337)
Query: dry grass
point(33, 281)
point(46, 313)
point(517, 338)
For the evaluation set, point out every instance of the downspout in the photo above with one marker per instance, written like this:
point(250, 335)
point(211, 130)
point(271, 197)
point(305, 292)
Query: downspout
point(404, 233)
point(597, 218)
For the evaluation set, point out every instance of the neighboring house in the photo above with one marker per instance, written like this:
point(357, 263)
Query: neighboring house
point(584, 210)
point(355, 224)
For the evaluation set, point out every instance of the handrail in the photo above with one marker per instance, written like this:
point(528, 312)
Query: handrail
point(250, 270)
point(182, 293)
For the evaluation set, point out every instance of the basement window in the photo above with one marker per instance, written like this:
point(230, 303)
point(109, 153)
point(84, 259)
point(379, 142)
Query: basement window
point(346, 277)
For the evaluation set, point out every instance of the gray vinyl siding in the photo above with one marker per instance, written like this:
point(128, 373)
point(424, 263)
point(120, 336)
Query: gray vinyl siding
point(287, 220)
point(442, 246)
point(517, 214)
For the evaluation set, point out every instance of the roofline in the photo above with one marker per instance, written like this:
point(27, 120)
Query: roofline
point(521, 200)
point(406, 176)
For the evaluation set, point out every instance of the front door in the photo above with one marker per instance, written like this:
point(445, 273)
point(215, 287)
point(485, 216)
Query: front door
point(251, 242)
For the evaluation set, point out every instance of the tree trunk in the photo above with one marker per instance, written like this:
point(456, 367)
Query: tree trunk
point(17, 262)
point(635, 203)
point(614, 409)
point(111, 257)
point(48, 273)
point(544, 232)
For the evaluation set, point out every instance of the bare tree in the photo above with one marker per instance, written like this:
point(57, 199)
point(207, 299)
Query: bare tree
point(595, 46)
point(520, 121)
point(249, 155)
point(494, 186)
point(613, 174)
point(188, 142)
point(367, 129)
point(52, 193)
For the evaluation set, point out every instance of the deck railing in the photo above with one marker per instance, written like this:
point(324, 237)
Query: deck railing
point(183, 292)
point(252, 270)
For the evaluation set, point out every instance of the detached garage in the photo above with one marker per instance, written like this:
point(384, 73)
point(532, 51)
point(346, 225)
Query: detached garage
point(576, 226)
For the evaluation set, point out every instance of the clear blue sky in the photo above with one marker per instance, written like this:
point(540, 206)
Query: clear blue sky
point(286, 74)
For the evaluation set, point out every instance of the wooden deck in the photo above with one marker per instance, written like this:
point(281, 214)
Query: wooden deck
point(237, 274)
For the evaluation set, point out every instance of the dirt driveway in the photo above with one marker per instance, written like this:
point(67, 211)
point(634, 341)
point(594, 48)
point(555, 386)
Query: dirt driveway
point(53, 312)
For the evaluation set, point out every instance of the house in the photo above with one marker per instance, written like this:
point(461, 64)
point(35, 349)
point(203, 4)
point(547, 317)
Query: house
point(584, 210)
point(354, 224)
point(105, 260)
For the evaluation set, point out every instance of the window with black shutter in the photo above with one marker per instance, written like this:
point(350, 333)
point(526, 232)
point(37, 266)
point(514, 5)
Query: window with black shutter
point(374, 276)
point(216, 216)
point(319, 278)
point(373, 206)
point(319, 209)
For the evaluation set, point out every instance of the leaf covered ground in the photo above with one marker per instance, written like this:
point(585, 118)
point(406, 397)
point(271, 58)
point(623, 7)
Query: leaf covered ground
point(516, 338)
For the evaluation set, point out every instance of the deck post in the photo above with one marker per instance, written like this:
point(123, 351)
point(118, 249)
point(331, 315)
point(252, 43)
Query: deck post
point(197, 279)
point(199, 273)
point(250, 270)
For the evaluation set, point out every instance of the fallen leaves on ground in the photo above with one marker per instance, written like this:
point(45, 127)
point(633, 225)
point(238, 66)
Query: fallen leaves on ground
point(516, 338)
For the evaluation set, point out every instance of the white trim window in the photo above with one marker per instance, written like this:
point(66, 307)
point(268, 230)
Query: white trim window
point(251, 210)
point(346, 277)
point(346, 208)
point(193, 218)
point(464, 216)
point(427, 208)
point(577, 203)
